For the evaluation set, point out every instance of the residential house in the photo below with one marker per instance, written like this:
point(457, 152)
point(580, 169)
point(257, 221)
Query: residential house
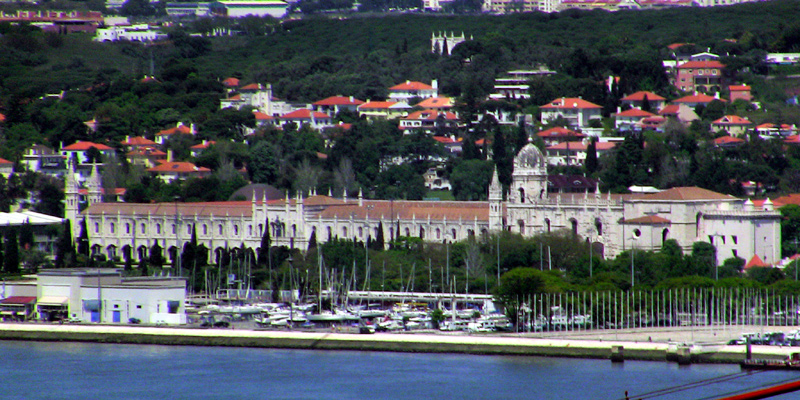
point(704, 76)
point(244, 8)
point(334, 104)
point(231, 84)
point(169, 171)
point(436, 103)
point(384, 109)
point(179, 129)
point(574, 153)
point(442, 42)
point(263, 119)
point(558, 134)
point(630, 119)
point(199, 148)
point(654, 123)
point(132, 143)
point(409, 90)
point(733, 124)
point(428, 121)
point(636, 100)
point(147, 157)
point(576, 111)
point(782, 58)
point(315, 119)
point(6, 167)
point(740, 92)
point(680, 112)
point(515, 84)
point(726, 142)
point(131, 33)
point(79, 150)
point(697, 99)
point(451, 144)
point(40, 158)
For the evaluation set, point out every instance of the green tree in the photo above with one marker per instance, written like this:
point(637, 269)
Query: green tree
point(65, 249)
point(83, 239)
point(264, 163)
point(516, 287)
point(11, 256)
point(156, 258)
point(470, 179)
point(591, 157)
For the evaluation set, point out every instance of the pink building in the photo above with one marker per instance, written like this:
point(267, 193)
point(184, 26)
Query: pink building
point(740, 92)
point(703, 76)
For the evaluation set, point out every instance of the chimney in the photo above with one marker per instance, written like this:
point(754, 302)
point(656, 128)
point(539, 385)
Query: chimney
point(169, 155)
point(351, 99)
point(435, 84)
point(191, 128)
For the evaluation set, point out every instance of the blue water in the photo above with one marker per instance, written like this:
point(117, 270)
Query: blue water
point(34, 370)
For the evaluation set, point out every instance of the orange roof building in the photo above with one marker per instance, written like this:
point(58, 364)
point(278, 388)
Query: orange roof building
point(409, 90)
point(576, 111)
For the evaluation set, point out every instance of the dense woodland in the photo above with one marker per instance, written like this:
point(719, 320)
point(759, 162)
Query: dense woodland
point(50, 84)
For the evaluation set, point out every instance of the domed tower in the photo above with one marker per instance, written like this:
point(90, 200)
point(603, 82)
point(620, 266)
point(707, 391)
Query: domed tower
point(529, 180)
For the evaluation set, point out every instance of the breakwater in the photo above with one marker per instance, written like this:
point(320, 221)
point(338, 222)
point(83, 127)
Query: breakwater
point(424, 343)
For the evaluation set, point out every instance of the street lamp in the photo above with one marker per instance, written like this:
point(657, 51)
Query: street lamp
point(635, 235)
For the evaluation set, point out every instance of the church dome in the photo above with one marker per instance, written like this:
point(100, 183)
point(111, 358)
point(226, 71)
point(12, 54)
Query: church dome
point(529, 157)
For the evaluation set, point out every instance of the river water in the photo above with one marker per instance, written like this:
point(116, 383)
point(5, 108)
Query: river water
point(37, 370)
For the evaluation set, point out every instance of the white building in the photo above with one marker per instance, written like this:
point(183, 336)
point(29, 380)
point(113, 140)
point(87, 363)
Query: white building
point(134, 33)
point(577, 112)
point(409, 90)
point(243, 8)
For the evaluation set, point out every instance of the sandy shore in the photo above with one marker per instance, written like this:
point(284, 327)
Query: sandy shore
point(706, 345)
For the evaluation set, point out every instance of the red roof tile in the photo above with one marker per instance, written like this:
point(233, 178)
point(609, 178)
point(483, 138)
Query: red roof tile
point(252, 87)
point(701, 64)
point(687, 193)
point(83, 146)
point(411, 85)
point(305, 114)
point(4, 161)
point(183, 129)
point(339, 101)
point(569, 102)
point(558, 132)
point(635, 113)
point(377, 105)
point(739, 88)
point(231, 82)
point(436, 102)
point(676, 46)
point(447, 140)
point(430, 115)
point(260, 116)
point(755, 262)
point(178, 166)
point(139, 141)
point(205, 145)
point(648, 220)
point(732, 120)
point(723, 140)
point(580, 146)
point(639, 96)
point(697, 98)
point(671, 109)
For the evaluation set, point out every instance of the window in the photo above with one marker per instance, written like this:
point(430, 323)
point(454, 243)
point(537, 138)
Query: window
point(158, 228)
point(189, 229)
point(260, 229)
point(735, 239)
point(360, 232)
point(205, 229)
point(96, 227)
point(344, 231)
point(127, 228)
point(250, 230)
point(219, 229)
point(236, 230)
point(144, 228)
point(453, 234)
point(113, 227)
point(139, 306)
point(173, 229)
point(438, 233)
point(711, 239)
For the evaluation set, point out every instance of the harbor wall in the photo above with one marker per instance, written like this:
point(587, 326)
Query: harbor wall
point(427, 343)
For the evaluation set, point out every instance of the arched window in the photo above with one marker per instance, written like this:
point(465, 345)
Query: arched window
point(236, 230)
point(250, 230)
point(598, 224)
point(294, 230)
point(219, 229)
point(438, 234)
point(205, 229)
point(344, 231)
point(330, 233)
point(96, 227)
point(127, 228)
point(521, 195)
point(360, 232)
point(421, 232)
point(547, 225)
point(665, 235)
point(143, 228)
point(470, 232)
point(260, 229)
point(158, 228)
point(113, 227)
point(453, 233)
point(189, 229)
point(574, 223)
point(521, 225)
point(408, 232)
point(174, 229)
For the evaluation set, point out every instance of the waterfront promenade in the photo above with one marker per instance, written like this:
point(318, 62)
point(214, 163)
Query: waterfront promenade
point(640, 344)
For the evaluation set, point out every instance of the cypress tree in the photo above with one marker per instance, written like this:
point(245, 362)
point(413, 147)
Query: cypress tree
point(83, 239)
point(312, 241)
point(65, 250)
point(445, 50)
point(591, 157)
point(26, 240)
point(188, 255)
point(378, 244)
point(2, 255)
point(156, 258)
point(522, 136)
point(266, 242)
point(646, 104)
point(11, 260)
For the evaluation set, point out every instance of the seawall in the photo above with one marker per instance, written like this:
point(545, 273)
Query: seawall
point(427, 343)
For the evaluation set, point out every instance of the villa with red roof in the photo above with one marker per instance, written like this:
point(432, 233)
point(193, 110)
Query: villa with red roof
point(6, 167)
point(694, 100)
point(576, 111)
point(740, 92)
point(333, 105)
point(147, 157)
point(169, 171)
point(132, 143)
point(636, 100)
point(728, 142)
point(179, 129)
point(314, 119)
point(733, 124)
point(630, 119)
point(558, 134)
point(428, 121)
point(199, 148)
point(436, 103)
point(413, 90)
point(79, 151)
point(704, 76)
point(263, 119)
point(680, 112)
point(384, 109)
point(574, 153)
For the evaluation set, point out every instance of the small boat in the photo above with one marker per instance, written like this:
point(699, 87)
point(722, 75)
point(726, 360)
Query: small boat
point(791, 363)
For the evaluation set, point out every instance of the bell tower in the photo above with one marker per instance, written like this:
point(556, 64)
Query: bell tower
point(495, 203)
point(529, 179)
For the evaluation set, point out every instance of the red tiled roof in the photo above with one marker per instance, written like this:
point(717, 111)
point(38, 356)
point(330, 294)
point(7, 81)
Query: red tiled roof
point(4, 161)
point(260, 116)
point(305, 114)
point(648, 220)
point(183, 129)
point(339, 101)
point(205, 145)
point(635, 112)
point(377, 105)
point(411, 85)
point(687, 193)
point(139, 141)
point(676, 46)
point(739, 88)
point(231, 82)
point(146, 152)
point(436, 102)
point(755, 262)
point(732, 120)
point(727, 140)
point(671, 109)
point(83, 146)
point(569, 102)
point(430, 115)
point(792, 139)
point(2, 118)
point(793, 198)
point(252, 86)
point(701, 64)
point(697, 98)
point(447, 140)
point(639, 96)
point(236, 97)
point(178, 166)
point(559, 132)
point(116, 191)
point(579, 146)
point(18, 300)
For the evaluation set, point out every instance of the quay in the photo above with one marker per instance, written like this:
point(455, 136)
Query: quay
point(508, 344)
